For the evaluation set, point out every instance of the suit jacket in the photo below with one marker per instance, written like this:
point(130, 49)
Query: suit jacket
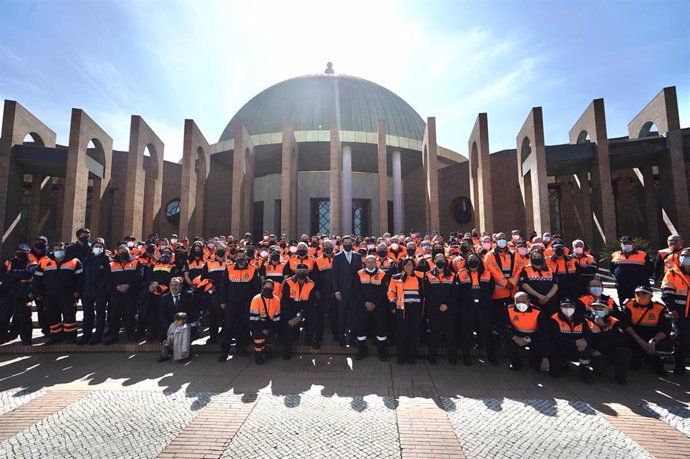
point(343, 273)
point(167, 309)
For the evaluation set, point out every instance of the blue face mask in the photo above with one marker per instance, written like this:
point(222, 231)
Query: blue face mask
point(685, 260)
point(501, 243)
point(59, 254)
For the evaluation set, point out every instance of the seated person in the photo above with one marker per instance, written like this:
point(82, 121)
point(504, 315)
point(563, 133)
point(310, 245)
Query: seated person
point(178, 342)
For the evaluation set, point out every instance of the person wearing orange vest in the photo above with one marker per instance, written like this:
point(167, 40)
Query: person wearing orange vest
point(540, 282)
point(648, 324)
point(608, 341)
point(569, 338)
point(501, 264)
point(631, 267)
point(522, 325)
point(123, 279)
point(595, 293)
point(564, 268)
point(476, 288)
point(298, 298)
point(301, 256)
point(326, 300)
point(15, 296)
point(264, 321)
point(675, 294)
point(212, 274)
point(157, 280)
point(58, 281)
point(371, 300)
point(668, 258)
point(441, 291)
point(405, 297)
point(238, 286)
point(586, 264)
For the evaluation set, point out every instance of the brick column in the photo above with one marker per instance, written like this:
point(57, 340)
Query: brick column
point(533, 162)
point(584, 206)
point(335, 191)
point(680, 186)
point(480, 173)
point(383, 179)
point(242, 152)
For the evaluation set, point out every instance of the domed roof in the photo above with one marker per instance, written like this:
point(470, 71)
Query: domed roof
point(313, 102)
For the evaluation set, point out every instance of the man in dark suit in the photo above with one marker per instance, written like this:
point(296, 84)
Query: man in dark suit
point(344, 271)
point(174, 301)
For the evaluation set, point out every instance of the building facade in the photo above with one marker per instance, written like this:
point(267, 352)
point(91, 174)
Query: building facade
point(331, 153)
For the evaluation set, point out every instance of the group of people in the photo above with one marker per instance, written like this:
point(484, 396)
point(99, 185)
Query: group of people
point(532, 294)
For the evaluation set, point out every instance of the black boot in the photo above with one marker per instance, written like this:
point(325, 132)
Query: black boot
point(361, 350)
point(382, 351)
point(586, 373)
point(259, 357)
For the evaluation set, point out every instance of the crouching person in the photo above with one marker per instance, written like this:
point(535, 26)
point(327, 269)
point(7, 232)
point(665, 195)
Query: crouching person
point(608, 340)
point(178, 342)
point(569, 339)
point(264, 321)
point(523, 325)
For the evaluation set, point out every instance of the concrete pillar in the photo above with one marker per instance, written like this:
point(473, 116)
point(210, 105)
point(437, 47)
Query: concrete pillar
point(680, 186)
point(383, 179)
point(347, 190)
point(567, 208)
point(288, 193)
point(430, 165)
point(584, 206)
point(241, 196)
point(650, 205)
point(624, 203)
point(35, 206)
point(398, 222)
point(335, 190)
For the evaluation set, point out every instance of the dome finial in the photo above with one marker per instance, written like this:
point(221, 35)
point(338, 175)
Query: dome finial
point(329, 68)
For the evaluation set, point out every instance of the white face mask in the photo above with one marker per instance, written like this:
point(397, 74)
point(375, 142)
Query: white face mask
point(596, 291)
point(600, 313)
point(627, 247)
point(546, 238)
point(568, 312)
point(685, 260)
point(522, 307)
point(97, 250)
point(394, 247)
point(578, 250)
point(130, 244)
point(173, 241)
point(264, 254)
point(293, 249)
point(516, 237)
point(522, 251)
point(487, 246)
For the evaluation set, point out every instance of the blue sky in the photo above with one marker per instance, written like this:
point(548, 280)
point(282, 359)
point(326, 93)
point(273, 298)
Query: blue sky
point(202, 59)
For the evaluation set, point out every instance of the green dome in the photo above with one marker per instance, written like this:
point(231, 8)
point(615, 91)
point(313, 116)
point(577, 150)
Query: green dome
point(313, 102)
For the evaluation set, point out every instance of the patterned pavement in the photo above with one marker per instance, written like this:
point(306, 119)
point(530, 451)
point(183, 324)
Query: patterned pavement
point(330, 406)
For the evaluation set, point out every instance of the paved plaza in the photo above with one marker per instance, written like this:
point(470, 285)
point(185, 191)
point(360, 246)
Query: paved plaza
point(124, 404)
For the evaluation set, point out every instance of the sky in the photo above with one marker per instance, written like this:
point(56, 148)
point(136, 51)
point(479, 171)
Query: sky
point(201, 59)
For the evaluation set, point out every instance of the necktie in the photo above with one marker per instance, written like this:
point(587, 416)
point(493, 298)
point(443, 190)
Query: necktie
point(175, 299)
point(347, 256)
